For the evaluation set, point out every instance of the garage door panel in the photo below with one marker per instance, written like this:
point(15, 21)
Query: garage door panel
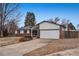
point(53, 34)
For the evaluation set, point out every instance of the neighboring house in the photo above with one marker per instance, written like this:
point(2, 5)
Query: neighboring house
point(23, 31)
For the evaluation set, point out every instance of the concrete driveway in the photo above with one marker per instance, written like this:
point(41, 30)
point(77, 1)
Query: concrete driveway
point(22, 48)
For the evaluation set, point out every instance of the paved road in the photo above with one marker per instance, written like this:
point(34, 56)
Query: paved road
point(22, 48)
point(70, 52)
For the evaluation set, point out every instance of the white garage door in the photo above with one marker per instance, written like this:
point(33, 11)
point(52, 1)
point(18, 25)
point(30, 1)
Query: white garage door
point(49, 34)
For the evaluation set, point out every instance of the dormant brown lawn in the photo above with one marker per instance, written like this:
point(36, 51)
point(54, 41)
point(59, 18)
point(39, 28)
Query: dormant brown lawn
point(54, 46)
point(9, 40)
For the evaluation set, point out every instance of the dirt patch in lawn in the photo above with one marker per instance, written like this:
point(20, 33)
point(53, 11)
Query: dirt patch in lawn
point(55, 46)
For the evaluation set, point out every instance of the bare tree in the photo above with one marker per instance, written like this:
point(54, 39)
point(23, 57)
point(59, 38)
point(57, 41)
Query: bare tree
point(13, 24)
point(51, 20)
point(56, 19)
point(12, 27)
point(65, 23)
point(8, 12)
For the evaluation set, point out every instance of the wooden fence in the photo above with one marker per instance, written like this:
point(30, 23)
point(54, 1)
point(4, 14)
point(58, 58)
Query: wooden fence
point(71, 34)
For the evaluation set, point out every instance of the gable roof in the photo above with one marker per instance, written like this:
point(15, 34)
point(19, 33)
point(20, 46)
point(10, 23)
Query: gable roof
point(24, 28)
point(51, 23)
point(48, 22)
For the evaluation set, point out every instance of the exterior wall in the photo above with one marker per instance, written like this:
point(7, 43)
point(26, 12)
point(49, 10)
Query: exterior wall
point(38, 32)
point(61, 32)
point(47, 25)
point(22, 33)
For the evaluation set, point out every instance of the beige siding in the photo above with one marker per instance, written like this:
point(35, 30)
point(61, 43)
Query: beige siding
point(47, 25)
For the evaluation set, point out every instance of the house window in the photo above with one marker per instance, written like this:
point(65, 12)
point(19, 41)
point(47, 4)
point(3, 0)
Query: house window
point(16, 32)
point(28, 31)
point(21, 32)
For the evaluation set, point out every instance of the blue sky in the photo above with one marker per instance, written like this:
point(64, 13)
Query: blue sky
point(45, 11)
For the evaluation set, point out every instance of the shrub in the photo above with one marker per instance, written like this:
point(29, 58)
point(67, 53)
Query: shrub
point(26, 38)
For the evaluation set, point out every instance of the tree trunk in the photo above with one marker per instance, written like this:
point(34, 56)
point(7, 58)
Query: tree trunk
point(1, 33)
point(1, 27)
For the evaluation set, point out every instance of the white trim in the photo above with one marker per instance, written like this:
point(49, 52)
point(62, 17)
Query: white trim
point(71, 30)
